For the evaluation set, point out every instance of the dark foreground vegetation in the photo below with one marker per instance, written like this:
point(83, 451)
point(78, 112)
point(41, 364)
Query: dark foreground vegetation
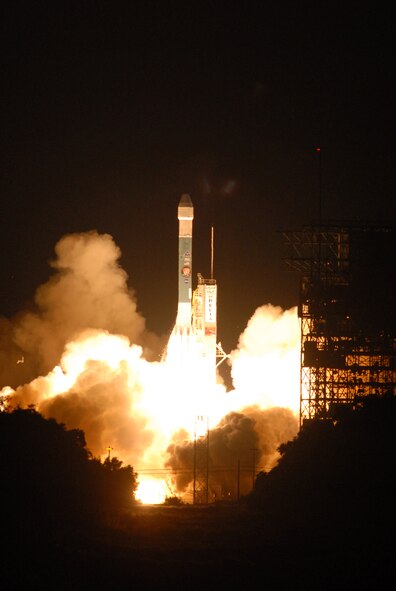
point(324, 518)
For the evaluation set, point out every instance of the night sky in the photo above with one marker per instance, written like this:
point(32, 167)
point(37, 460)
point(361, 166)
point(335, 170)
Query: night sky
point(111, 110)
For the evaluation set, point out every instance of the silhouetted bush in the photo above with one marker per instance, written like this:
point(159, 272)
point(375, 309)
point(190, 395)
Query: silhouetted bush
point(173, 501)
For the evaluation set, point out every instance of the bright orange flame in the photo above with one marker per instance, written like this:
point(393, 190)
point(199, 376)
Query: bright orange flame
point(151, 491)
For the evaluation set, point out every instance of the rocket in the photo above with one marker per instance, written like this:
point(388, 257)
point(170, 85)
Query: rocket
point(185, 214)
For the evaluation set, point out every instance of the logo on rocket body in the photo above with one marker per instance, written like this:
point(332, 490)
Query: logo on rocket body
point(185, 214)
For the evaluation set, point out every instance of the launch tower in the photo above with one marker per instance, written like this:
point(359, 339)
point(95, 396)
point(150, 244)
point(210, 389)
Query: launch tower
point(348, 321)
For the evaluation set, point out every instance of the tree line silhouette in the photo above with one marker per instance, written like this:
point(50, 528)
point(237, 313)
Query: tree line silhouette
point(332, 471)
point(323, 516)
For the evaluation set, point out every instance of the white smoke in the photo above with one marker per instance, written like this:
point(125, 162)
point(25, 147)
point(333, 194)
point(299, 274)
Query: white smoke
point(89, 290)
point(265, 365)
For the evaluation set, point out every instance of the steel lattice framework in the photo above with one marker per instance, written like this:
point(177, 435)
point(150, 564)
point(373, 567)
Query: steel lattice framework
point(346, 309)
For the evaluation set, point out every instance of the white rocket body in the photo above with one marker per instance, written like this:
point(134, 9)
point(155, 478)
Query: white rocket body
point(185, 214)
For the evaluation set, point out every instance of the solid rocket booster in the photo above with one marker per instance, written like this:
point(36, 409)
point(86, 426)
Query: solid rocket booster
point(185, 214)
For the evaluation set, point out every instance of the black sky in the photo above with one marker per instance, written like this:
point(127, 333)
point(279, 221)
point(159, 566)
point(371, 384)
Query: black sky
point(110, 110)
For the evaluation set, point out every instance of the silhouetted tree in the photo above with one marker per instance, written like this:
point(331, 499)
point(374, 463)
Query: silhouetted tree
point(118, 484)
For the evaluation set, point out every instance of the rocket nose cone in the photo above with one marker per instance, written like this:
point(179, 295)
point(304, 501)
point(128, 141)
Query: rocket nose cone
point(185, 201)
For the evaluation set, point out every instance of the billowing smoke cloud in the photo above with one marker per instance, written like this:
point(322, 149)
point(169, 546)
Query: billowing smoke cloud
point(88, 290)
point(86, 302)
point(242, 442)
point(265, 366)
point(96, 388)
point(102, 404)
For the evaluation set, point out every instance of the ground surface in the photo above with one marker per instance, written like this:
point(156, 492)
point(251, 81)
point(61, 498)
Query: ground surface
point(212, 547)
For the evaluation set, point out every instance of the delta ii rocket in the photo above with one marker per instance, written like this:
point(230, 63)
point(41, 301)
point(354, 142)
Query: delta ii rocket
point(192, 345)
point(185, 214)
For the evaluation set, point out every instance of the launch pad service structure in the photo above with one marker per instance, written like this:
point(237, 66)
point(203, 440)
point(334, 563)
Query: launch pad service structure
point(346, 308)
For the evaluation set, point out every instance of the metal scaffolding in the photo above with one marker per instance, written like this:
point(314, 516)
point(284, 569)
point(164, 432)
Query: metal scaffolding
point(346, 310)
